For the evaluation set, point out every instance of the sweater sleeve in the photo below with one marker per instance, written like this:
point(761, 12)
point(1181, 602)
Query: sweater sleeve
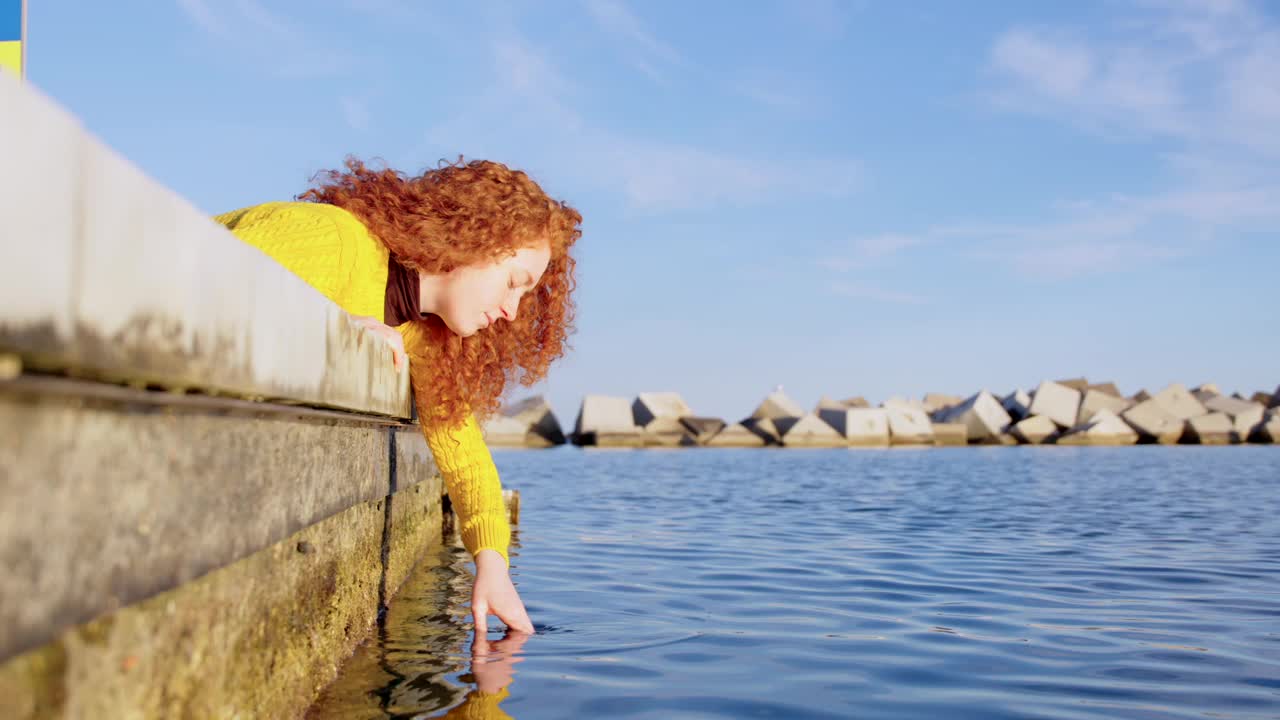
point(472, 481)
point(465, 463)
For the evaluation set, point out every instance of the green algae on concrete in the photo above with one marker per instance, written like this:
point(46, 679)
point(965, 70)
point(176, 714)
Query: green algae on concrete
point(258, 638)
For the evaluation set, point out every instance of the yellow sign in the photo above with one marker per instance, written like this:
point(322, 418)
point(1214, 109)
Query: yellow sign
point(13, 27)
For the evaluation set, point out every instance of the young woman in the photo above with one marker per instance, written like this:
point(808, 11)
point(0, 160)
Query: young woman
point(469, 263)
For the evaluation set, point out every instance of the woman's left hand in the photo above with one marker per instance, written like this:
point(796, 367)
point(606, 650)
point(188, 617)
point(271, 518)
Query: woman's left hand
point(387, 333)
point(494, 593)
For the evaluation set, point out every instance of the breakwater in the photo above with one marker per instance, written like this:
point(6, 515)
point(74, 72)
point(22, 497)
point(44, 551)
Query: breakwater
point(1065, 412)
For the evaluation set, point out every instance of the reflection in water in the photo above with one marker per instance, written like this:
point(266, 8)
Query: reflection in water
point(423, 660)
point(1001, 583)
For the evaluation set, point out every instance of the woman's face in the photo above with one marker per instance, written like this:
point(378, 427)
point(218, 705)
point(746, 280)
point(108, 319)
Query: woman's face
point(474, 297)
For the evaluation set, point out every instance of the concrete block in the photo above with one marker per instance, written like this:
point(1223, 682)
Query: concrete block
point(863, 427)
point(765, 429)
point(857, 401)
point(1208, 389)
point(1034, 430)
point(1104, 427)
point(112, 495)
point(777, 405)
point(1077, 384)
point(1140, 396)
point(1058, 402)
point(808, 431)
point(1267, 431)
point(1153, 423)
point(1263, 399)
point(116, 278)
point(606, 421)
point(667, 432)
point(736, 435)
point(650, 406)
point(1275, 399)
point(1017, 404)
point(935, 402)
point(826, 403)
point(950, 434)
point(1106, 387)
point(536, 413)
point(1211, 429)
point(908, 424)
point(1095, 400)
point(1245, 415)
point(40, 147)
point(502, 431)
point(702, 428)
point(1179, 402)
point(981, 414)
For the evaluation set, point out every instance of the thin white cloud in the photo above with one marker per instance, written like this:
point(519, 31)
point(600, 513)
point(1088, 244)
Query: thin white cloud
point(1198, 76)
point(645, 51)
point(200, 14)
point(650, 175)
point(266, 39)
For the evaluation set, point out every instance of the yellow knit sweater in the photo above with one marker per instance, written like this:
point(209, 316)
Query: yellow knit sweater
point(336, 254)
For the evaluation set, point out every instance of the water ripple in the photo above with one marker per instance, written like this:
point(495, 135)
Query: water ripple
point(973, 583)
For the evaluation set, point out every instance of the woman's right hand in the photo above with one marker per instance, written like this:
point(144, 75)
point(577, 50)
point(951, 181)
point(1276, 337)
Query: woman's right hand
point(388, 334)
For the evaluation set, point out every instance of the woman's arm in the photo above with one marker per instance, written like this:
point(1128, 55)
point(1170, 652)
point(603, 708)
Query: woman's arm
point(472, 481)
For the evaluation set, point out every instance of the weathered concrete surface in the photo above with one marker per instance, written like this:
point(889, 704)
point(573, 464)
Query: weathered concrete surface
point(1212, 429)
point(908, 425)
point(123, 498)
point(736, 435)
point(1274, 403)
point(765, 429)
point(1078, 384)
point(259, 638)
point(826, 403)
point(702, 428)
point(1058, 402)
point(503, 431)
point(1245, 415)
point(536, 413)
point(650, 406)
point(857, 401)
point(1140, 397)
point(1153, 423)
point(1034, 430)
point(667, 432)
point(1263, 399)
point(1106, 387)
point(808, 431)
point(1095, 400)
point(860, 427)
point(606, 421)
point(777, 405)
point(1268, 431)
point(1179, 402)
point(950, 434)
point(935, 402)
point(113, 277)
point(982, 416)
point(1017, 404)
point(1104, 427)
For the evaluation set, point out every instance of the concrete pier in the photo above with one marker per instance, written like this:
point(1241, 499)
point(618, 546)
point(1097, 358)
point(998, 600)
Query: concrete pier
point(209, 478)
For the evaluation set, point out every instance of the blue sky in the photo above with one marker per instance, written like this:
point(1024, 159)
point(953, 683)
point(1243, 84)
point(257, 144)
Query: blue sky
point(844, 198)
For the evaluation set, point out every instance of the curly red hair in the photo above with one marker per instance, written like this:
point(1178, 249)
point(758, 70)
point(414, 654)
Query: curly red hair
point(459, 214)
